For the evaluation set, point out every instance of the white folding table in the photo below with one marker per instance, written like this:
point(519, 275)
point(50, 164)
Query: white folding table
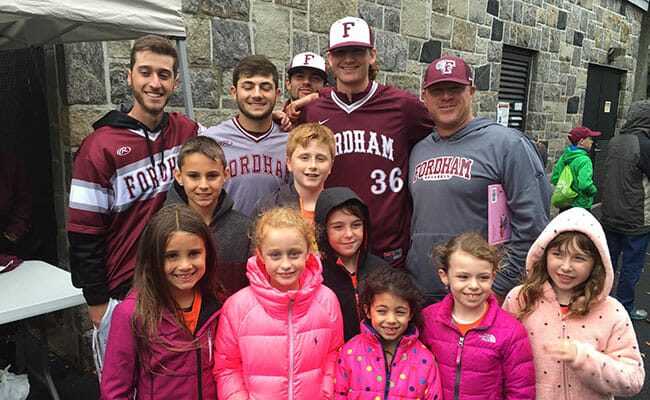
point(36, 288)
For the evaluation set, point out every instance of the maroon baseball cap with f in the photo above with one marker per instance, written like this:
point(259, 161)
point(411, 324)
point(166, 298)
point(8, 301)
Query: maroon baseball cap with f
point(448, 69)
point(350, 31)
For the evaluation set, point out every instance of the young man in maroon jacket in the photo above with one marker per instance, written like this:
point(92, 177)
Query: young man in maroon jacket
point(375, 127)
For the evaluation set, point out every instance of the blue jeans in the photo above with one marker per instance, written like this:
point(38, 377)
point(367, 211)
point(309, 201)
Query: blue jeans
point(634, 249)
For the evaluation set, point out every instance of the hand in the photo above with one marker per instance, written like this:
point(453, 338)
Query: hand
point(282, 118)
point(96, 313)
point(561, 349)
point(293, 110)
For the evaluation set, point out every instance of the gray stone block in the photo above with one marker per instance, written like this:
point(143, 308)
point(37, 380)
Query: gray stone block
point(493, 7)
point(431, 50)
point(233, 9)
point(488, 101)
point(371, 13)
point(198, 40)
point(392, 20)
point(441, 26)
point(392, 51)
point(506, 9)
point(323, 12)
point(84, 66)
point(415, 49)
point(303, 41)
point(190, 6)
point(390, 3)
point(529, 16)
point(577, 38)
point(120, 91)
point(561, 20)
point(230, 42)
point(482, 77)
point(299, 4)
point(495, 79)
point(464, 38)
point(205, 87)
point(535, 121)
point(484, 32)
point(459, 8)
point(494, 51)
point(517, 11)
point(271, 31)
point(570, 85)
point(497, 30)
point(439, 6)
point(477, 11)
point(405, 82)
point(299, 20)
point(572, 105)
point(414, 16)
point(118, 49)
point(536, 97)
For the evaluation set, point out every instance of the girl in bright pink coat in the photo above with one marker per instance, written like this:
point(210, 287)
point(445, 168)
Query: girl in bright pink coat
point(583, 340)
point(483, 352)
point(278, 338)
point(160, 345)
point(387, 360)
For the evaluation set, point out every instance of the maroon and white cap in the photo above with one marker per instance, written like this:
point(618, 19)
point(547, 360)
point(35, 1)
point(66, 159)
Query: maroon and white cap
point(581, 132)
point(448, 69)
point(309, 60)
point(350, 31)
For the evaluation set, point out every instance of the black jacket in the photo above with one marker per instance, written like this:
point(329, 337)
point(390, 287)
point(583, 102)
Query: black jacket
point(336, 276)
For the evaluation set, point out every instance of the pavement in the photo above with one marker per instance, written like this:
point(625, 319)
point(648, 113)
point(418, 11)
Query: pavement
point(73, 384)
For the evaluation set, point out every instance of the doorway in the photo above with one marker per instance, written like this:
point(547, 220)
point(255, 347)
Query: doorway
point(600, 113)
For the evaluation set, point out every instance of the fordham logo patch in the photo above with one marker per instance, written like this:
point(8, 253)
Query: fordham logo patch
point(225, 143)
point(122, 151)
point(446, 67)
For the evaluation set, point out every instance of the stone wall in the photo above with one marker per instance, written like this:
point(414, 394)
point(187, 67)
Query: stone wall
point(567, 35)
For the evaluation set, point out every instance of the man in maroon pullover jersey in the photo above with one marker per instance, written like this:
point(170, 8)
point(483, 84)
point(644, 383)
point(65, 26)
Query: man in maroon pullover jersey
point(375, 127)
point(122, 172)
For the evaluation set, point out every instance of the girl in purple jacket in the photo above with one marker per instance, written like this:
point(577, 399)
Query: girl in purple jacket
point(387, 360)
point(482, 351)
point(160, 342)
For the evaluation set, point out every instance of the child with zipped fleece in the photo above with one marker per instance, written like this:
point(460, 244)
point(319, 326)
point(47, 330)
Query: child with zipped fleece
point(583, 340)
point(279, 337)
point(482, 351)
point(161, 338)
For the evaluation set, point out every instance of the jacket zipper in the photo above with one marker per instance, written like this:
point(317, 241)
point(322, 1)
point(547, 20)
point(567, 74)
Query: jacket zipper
point(388, 371)
point(565, 379)
point(290, 352)
point(198, 373)
point(459, 357)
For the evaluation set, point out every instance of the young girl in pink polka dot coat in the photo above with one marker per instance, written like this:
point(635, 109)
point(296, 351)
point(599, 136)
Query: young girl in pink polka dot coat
point(387, 360)
point(583, 341)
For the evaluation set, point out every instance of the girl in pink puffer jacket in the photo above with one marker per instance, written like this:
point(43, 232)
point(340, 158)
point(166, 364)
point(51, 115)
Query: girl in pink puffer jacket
point(482, 351)
point(278, 338)
point(583, 340)
point(387, 360)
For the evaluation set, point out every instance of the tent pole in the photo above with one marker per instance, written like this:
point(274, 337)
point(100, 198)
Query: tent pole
point(185, 77)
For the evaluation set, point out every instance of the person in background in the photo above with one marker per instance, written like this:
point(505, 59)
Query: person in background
point(15, 203)
point(625, 203)
point(576, 156)
point(307, 74)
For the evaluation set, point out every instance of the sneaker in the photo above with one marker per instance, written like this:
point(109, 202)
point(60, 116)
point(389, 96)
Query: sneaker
point(638, 314)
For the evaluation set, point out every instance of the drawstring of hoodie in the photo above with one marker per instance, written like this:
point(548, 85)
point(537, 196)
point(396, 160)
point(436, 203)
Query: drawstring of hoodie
point(162, 141)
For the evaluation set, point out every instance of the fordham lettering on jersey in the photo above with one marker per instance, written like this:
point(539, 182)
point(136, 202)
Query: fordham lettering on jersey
point(443, 168)
point(361, 141)
point(134, 182)
point(258, 164)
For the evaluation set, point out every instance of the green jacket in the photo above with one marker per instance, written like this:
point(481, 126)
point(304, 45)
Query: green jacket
point(583, 173)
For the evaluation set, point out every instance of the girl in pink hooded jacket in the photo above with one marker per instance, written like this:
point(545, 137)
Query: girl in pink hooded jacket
point(482, 351)
point(583, 340)
point(278, 338)
point(387, 360)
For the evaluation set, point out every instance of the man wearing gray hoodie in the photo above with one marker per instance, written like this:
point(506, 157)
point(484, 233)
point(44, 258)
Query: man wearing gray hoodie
point(449, 174)
point(626, 201)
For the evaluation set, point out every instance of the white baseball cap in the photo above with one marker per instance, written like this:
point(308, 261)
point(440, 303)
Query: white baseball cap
point(350, 31)
point(309, 60)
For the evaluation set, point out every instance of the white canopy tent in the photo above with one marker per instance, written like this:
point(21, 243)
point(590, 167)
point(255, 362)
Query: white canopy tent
point(34, 23)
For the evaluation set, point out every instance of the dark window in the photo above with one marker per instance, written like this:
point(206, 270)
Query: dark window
point(513, 88)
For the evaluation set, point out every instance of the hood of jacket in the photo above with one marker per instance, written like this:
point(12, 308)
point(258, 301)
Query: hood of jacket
point(473, 125)
point(571, 153)
point(120, 119)
point(224, 203)
point(328, 200)
point(581, 220)
point(638, 119)
point(276, 302)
